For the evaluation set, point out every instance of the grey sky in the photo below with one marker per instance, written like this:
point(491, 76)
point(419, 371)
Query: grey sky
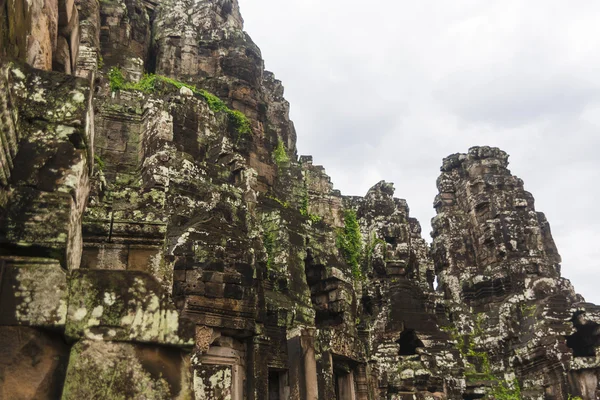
point(385, 89)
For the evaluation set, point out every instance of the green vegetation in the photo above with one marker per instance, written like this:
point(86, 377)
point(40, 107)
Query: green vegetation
point(501, 389)
point(269, 242)
point(116, 79)
point(350, 243)
point(528, 310)
point(504, 390)
point(571, 397)
point(99, 162)
point(304, 207)
point(283, 204)
point(148, 85)
point(240, 120)
point(314, 218)
point(280, 154)
point(304, 202)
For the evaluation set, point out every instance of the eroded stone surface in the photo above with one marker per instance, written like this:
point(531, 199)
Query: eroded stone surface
point(33, 291)
point(125, 371)
point(122, 306)
point(194, 225)
point(32, 364)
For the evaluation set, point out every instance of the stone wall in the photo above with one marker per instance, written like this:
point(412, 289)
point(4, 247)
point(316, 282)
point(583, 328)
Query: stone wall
point(160, 238)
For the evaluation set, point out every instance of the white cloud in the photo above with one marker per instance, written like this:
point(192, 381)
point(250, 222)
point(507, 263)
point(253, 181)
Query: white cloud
point(385, 89)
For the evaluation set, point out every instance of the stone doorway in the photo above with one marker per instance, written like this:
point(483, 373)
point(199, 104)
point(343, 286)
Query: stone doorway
point(344, 380)
point(409, 343)
point(279, 388)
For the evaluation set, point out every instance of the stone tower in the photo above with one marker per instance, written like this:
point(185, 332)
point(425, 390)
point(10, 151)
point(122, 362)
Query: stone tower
point(160, 238)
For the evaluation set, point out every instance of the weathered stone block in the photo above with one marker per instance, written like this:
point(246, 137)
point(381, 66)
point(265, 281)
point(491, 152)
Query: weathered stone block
point(123, 306)
point(33, 291)
point(65, 11)
point(32, 364)
point(50, 169)
point(32, 31)
point(61, 60)
point(111, 370)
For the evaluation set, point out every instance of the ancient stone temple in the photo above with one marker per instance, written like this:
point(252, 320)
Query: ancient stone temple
point(160, 238)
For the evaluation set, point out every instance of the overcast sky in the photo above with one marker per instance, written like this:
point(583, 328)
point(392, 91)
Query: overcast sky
point(385, 89)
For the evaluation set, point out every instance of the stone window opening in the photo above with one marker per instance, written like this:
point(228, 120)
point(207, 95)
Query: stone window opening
point(586, 337)
point(391, 240)
point(279, 388)
point(409, 343)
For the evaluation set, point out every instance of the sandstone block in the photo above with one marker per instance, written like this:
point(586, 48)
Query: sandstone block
point(32, 364)
point(65, 11)
point(61, 59)
point(33, 292)
point(111, 370)
point(123, 306)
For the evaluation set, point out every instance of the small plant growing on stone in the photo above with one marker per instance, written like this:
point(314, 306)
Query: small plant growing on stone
point(280, 155)
point(116, 79)
point(148, 85)
point(99, 162)
point(314, 218)
point(349, 242)
point(269, 243)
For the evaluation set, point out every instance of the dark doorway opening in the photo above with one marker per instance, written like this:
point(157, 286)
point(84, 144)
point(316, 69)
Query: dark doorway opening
point(278, 385)
point(586, 337)
point(409, 343)
point(344, 377)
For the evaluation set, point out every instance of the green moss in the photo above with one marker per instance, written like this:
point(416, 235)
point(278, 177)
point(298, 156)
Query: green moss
point(280, 154)
point(504, 390)
point(314, 218)
point(118, 379)
point(269, 243)
point(304, 202)
point(99, 162)
point(349, 242)
point(500, 389)
point(214, 103)
point(304, 206)
point(528, 310)
point(283, 204)
point(148, 85)
point(571, 397)
point(241, 121)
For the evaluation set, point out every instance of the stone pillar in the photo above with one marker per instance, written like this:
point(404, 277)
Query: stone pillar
point(326, 377)
point(362, 387)
point(302, 364)
point(219, 374)
point(258, 372)
point(307, 342)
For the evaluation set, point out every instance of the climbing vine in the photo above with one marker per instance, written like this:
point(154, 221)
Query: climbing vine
point(304, 206)
point(349, 242)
